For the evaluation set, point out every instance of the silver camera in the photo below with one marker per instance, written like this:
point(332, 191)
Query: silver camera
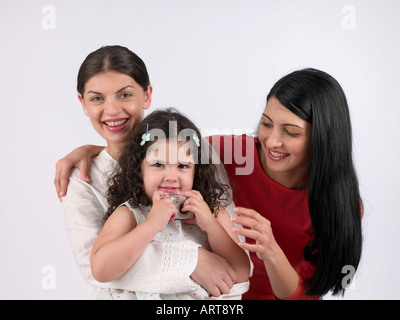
point(178, 202)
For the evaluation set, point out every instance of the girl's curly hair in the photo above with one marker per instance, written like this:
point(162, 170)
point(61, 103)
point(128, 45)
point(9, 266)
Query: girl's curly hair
point(126, 184)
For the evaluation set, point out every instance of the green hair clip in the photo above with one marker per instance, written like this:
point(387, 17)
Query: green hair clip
point(145, 136)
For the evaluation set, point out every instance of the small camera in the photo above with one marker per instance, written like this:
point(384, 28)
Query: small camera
point(178, 202)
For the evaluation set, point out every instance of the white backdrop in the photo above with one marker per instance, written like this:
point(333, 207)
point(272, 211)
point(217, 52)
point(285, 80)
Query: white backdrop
point(215, 60)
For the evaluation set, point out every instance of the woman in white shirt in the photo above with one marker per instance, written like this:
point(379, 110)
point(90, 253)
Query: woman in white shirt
point(114, 89)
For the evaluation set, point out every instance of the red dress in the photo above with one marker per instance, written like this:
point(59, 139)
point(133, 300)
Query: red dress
point(286, 209)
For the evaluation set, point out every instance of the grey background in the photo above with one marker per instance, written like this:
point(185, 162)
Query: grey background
point(213, 60)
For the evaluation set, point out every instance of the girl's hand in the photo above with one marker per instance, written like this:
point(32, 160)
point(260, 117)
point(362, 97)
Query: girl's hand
point(162, 211)
point(196, 204)
point(258, 229)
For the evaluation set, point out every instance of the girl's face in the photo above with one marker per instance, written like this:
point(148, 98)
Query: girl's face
point(286, 145)
point(114, 102)
point(166, 169)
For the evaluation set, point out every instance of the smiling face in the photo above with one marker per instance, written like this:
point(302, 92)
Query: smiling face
point(167, 170)
point(286, 145)
point(114, 102)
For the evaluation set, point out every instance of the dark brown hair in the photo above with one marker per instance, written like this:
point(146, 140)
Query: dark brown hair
point(113, 58)
point(126, 183)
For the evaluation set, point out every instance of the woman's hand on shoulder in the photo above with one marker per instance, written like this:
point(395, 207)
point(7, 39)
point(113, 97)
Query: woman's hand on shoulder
point(79, 158)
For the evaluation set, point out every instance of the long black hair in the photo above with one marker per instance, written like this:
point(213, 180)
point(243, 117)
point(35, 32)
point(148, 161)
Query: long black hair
point(334, 198)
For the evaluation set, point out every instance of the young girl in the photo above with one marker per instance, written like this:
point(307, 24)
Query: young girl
point(157, 162)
